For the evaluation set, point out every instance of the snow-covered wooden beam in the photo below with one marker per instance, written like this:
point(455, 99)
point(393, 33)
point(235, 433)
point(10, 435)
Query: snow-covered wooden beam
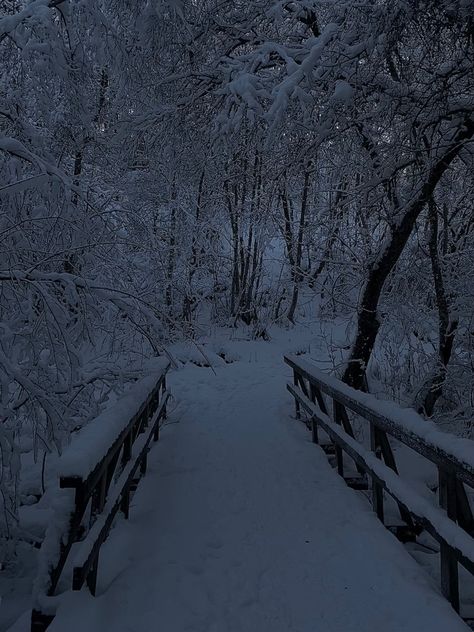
point(451, 523)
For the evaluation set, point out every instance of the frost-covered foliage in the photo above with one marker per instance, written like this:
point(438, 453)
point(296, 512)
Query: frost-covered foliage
point(167, 164)
point(77, 310)
point(367, 119)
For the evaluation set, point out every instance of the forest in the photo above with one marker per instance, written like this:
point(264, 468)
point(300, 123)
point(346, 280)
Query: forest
point(171, 168)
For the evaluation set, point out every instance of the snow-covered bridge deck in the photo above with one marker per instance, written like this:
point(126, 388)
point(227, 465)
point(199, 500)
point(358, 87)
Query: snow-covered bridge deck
point(241, 525)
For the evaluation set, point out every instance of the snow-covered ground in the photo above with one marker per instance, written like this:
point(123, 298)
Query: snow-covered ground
point(241, 525)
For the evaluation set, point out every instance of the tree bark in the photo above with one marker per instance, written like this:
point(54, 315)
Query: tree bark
point(446, 327)
point(297, 276)
point(368, 323)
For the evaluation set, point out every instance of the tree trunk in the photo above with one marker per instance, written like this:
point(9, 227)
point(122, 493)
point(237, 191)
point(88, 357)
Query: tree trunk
point(297, 276)
point(446, 327)
point(189, 300)
point(368, 323)
point(172, 249)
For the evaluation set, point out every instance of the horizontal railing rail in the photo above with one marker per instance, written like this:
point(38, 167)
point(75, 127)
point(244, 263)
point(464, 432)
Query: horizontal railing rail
point(102, 485)
point(451, 522)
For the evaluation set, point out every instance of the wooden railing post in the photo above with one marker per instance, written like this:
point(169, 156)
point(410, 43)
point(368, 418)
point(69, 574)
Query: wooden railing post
point(156, 433)
point(40, 621)
point(314, 423)
point(127, 449)
point(377, 490)
point(448, 561)
point(297, 404)
point(98, 497)
point(91, 579)
point(464, 514)
point(336, 414)
point(125, 503)
point(163, 390)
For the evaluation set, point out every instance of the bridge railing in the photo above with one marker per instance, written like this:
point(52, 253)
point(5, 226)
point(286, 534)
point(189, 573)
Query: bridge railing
point(326, 401)
point(98, 473)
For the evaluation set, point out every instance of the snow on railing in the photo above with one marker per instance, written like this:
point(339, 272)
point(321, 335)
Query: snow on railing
point(452, 522)
point(103, 466)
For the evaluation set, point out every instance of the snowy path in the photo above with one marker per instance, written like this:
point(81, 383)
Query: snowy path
point(241, 526)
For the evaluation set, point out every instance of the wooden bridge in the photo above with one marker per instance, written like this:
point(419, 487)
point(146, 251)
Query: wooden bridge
point(98, 496)
point(96, 487)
